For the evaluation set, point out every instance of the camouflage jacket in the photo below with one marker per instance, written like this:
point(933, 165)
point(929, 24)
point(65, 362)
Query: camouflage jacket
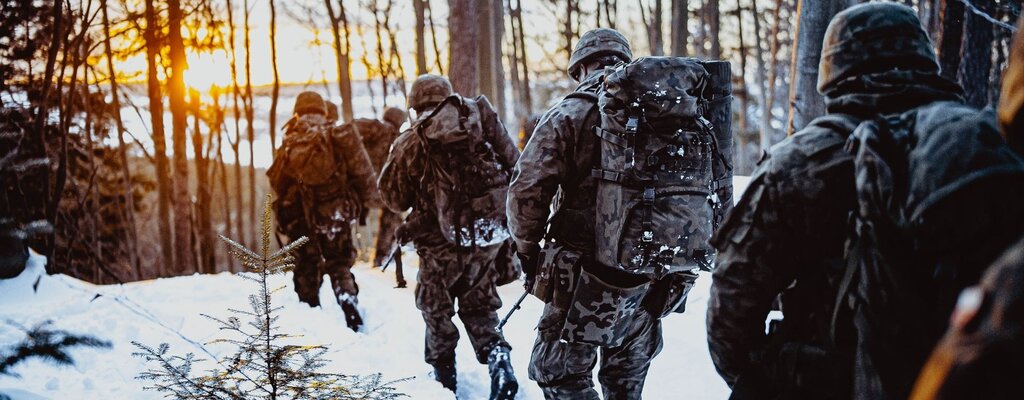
point(786, 235)
point(402, 183)
point(555, 169)
point(360, 186)
point(377, 139)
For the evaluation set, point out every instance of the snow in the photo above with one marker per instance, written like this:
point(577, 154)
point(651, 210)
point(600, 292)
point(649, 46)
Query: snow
point(168, 310)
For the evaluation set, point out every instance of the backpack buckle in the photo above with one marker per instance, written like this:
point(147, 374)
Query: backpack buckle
point(647, 237)
point(632, 124)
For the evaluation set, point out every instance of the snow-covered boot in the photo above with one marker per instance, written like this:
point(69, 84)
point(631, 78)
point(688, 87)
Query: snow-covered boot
point(503, 380)
point(445, 373)
point(348, 304)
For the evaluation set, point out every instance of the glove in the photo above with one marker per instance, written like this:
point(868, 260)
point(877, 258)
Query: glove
point(528, 260)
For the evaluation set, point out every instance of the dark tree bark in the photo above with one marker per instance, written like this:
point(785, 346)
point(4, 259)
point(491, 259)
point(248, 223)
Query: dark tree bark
point(805, 103)
point(950, 40)
point(421, 40)
point(977, 51)
point(680, 23)
point(342, 50)
point(463, 61)
point(714, 28)
point(128, 207)
point(183, 257)
point(204, 226)
point(236, 93)
point(490, 23)
point(156, 110)
point(250, 118)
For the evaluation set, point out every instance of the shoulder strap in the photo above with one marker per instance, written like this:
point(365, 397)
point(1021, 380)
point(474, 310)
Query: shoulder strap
point(583, 95)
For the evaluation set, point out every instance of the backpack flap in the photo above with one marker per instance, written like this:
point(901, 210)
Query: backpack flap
point(654, 203)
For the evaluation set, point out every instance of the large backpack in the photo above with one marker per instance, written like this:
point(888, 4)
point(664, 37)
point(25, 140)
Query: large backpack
point(916, 237)
point(308, 173)
point(468, 183)
point(657, 204)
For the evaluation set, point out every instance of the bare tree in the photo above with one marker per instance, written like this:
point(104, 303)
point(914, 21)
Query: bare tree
point(680, 23)
point(650, 16)
point(714, 27)
point(463, 34)
point(421, 41)
point(250, 116)
point(156, 107)
point(805, 103)
point(342, 50)
point(128, 207)
point(979, 41)
point(276, 91)
point(490, 24)
point(183, 257)
point(950, 39)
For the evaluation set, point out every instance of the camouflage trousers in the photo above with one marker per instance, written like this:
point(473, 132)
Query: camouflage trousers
point(564, 370)
point(322, 255)
point(442, 282)
point(388, 224)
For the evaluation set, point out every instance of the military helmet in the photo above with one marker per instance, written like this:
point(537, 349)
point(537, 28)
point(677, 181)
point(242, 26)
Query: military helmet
point(600, 41)
point(874, 37)
point(394, 116)
point(427, 90)
point(332, 110)
point(309, 103)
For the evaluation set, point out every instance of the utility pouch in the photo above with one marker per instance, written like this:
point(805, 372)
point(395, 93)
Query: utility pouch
point(668, 294)
point(603, 305)
point(557, 274)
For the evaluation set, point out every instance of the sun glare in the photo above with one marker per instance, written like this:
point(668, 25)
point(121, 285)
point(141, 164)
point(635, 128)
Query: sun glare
point(206, 71)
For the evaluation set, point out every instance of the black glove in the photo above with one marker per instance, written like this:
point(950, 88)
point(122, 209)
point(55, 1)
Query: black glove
point(528, 259)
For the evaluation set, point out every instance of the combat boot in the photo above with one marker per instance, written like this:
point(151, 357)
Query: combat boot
point(348, 305)
point(503, 381)
point(444, 372)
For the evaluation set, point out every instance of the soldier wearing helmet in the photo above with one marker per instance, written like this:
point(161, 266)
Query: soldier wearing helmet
point(378, 135)
point(785, 237)
point(324, 211)
point(556, 164)
point(454, 273)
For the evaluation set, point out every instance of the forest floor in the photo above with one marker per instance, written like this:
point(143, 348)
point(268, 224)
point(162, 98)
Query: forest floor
point(391, 343)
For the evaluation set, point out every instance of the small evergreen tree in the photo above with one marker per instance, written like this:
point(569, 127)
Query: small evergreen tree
point(48, 344)
point(261, 367)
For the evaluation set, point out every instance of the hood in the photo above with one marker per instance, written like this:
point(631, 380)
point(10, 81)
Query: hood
point(890, 92)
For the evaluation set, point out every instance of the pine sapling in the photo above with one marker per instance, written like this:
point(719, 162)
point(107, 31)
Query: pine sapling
point(263, 365)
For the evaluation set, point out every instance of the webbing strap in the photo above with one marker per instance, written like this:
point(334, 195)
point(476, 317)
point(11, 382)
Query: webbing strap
point(611, 137)
point(607, 175)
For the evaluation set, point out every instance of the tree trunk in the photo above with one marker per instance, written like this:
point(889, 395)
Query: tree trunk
point(680, 23)
point(744, 94)
point(236, 92)
point(250, 118)
point(184, 260)
point(805, 103)
point(650, 17)
point(463, 54)
point(128, 207)
point(421, 39)
point(773, 71)
point(490, 22)
point(156, 110)
point(342, 51)
point(204, 227)
point(714, 28)
point(950, 38)
point(276, 91)
point(978, 44)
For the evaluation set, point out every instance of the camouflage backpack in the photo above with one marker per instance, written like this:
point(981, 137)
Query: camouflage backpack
point(463, 174)
point(927, 185)
point(307, 174)
point(656, 195)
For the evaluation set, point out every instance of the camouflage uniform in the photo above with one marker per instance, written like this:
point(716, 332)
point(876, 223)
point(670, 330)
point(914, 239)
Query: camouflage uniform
point(981, 355)
point(447, 273)
point(331, 250)
point(555, 173)
point(377, 139)
point(785, 238)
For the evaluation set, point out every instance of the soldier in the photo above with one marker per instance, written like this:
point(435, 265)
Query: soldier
point(323, 178)
point(377, 139)
point(453, 271)
point(557, 163)
point(785, 238)
point(981, 355)
point(332, 112)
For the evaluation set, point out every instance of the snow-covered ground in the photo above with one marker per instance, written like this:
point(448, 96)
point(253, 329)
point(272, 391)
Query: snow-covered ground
point(168, 310)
